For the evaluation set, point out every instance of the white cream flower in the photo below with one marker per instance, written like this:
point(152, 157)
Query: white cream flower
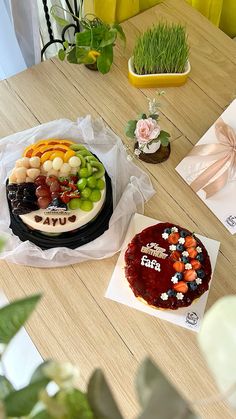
point(165, 236)
point(164, 296)
point(179, 296)
point(174, 279)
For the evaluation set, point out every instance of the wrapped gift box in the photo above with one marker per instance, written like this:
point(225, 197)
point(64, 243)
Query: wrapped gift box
point(223, 202)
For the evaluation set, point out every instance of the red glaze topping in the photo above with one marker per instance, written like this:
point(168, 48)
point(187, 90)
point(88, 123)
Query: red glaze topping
point(163, 276)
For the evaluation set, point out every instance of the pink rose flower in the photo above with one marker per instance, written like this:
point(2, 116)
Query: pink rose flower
point(147, 130)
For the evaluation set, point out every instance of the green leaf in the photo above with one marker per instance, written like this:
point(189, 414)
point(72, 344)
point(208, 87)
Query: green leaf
point(83, 56)
point(142, 116)
point(66, 44)
point(76, 404)
point(5, 387)
point(43, 414)
point(101, 399)
point(14, 315)
point(130, 128)
point(61, 54)
point(164, 138)
point(120, 31)
point(21, 402)
point(39, 373)
point(71, 56)
point(109, 38)
point(158, 397)
point(154, 116)
point(83, 38)
point(105, 60)
point(90, 37)
point(58, 19)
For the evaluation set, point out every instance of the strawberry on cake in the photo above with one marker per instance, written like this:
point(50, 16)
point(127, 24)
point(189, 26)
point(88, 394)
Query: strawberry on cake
point(167, 266)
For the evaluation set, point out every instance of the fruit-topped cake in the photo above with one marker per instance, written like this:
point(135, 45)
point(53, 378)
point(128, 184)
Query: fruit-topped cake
point(57, 187)
point(167, 266)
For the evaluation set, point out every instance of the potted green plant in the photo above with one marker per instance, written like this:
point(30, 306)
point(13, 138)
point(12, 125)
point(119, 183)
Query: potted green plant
point(64, 400)
point(158, 398)
point(93, 46)
point(160, 57)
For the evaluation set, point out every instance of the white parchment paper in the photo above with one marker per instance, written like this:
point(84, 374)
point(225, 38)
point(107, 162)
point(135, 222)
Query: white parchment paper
point(131, 189)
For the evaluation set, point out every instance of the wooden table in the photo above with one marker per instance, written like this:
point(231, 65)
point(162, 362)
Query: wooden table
point(74, 321)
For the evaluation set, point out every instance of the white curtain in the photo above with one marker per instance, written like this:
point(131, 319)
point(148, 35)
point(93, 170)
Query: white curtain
point(56, 28)
point(19, 36)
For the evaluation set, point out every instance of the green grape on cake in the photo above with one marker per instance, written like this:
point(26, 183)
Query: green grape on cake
point(74, 203)
point(95, 195)
point(100, 184)
point(86, 205)
point(81, 184)
point(86, 192)
point(92, 182)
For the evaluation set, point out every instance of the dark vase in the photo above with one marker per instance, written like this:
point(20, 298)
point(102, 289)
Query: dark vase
point(93, 66)
point(159, 156)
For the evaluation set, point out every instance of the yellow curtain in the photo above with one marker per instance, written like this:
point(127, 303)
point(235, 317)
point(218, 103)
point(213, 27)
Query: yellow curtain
point(228, 17)
point(220, 12)
point(117, 10)
point(209, 8)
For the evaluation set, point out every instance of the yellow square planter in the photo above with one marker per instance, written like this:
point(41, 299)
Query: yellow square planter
point(157, 80)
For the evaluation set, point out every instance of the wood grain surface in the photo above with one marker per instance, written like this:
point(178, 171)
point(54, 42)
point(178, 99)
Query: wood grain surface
point(74, 321)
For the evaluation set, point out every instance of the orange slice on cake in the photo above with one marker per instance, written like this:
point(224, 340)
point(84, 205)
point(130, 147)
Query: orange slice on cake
point(42, 146)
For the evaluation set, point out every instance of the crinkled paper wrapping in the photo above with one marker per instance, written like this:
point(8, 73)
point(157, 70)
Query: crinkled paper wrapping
point(131, 189)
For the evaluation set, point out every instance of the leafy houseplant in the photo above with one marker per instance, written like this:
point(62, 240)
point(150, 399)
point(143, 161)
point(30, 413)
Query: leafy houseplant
point(93, 46)
point(151, 142)
point(36, 401)
point(160, 57)
point(157, 396)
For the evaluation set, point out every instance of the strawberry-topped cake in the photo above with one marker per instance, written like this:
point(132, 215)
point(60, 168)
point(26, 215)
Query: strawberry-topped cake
point(167, 266)
point(59, 194)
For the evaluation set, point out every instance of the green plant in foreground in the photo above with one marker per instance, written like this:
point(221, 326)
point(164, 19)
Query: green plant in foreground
point(157, 397)
point(161, 49)
point(93, 45)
